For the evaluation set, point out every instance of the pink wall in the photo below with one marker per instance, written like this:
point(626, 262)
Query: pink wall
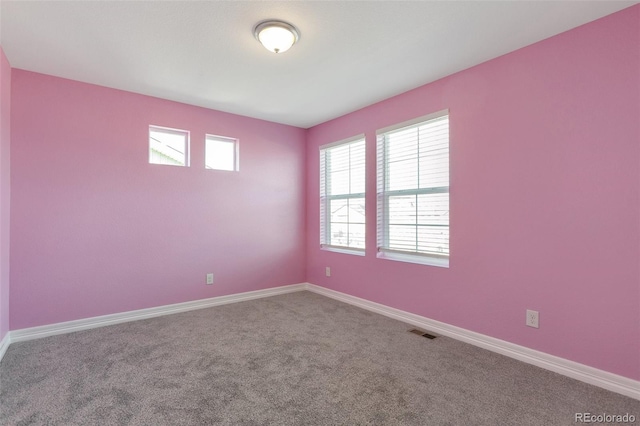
point(545, 199)
point(545, 207)
point(97, 230)
point(5, 134)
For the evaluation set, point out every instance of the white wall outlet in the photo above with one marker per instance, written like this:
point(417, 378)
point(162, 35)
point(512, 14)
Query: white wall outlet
point(327, 271)
point(532, 318)
point(209, 279)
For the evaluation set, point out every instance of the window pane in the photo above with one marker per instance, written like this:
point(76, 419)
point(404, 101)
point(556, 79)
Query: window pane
point(356, 235)
point(339, 182)
point(339, 211)
point(167, 146)
point(339, 234)
point(402, 145)
point(339, 158)
point(347, 222)
point(402, 209)
point(402, 237)
point(403, 175)
point(356, 210)
point(433, 239)
point(220, 153)
point(342, 182)
point(433, 209)
point(357, 179)
point(434, 170)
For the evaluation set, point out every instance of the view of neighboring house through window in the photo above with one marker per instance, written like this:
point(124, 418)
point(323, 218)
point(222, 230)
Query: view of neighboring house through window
point(413, 191)
point(168, 146)
point(221, 153)
point(342, 195)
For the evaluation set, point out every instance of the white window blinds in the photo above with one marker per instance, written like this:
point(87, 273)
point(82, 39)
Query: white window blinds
point(413, 188)
point(342, 192)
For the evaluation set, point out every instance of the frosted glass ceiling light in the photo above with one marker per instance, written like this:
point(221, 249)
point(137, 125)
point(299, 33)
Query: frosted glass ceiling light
point(276, 36)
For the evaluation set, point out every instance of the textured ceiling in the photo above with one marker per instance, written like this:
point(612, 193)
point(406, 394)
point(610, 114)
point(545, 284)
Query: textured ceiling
point(350, 54)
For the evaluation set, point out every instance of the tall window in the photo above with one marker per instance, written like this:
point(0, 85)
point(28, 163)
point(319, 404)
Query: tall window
point(342, 189)
point(413, 191)
point(168, 146)
point(221, 153)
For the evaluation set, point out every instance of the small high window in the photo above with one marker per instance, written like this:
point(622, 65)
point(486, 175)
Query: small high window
point(221, 153)
point(168, 146)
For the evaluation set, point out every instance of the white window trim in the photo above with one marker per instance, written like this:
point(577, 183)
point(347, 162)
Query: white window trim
point(413, 122)
point(442, 262)
point(343, 250)
point(382, 219)
point(334, 248)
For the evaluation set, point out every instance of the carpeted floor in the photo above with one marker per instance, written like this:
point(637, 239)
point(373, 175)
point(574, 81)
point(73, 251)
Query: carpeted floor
point(295, 359)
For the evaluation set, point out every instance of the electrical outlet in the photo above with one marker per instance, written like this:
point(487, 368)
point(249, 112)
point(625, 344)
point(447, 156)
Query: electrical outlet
point(532, 318)
point(327, 271)
point(209, 279)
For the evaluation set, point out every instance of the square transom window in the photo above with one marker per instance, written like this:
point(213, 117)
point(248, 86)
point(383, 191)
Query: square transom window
point(221, 153)
point(168, 146)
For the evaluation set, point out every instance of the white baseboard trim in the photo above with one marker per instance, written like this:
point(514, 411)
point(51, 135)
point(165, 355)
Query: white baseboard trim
point(104, 320)
point(584, 373)
point(4, 344)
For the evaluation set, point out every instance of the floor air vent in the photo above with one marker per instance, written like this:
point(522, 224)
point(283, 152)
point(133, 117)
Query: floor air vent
point(422, 333)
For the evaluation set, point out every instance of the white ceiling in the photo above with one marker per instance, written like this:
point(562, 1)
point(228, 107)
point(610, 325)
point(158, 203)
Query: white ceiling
point(350, 54)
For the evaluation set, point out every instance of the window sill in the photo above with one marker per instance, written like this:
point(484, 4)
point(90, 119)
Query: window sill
point(343, 250)
point(409, 258)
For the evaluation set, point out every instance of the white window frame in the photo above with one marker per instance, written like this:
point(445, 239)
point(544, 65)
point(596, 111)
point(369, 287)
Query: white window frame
point(236, 151)
point(383, 195)
point(170, 130)
point(325, 199)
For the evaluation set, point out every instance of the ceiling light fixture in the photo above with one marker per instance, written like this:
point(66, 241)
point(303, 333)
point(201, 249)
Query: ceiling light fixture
point(276, 36)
